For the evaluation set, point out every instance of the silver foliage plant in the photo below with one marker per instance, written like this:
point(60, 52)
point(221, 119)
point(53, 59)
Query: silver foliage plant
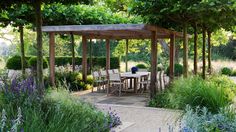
point(201, 120)
point(15, 123)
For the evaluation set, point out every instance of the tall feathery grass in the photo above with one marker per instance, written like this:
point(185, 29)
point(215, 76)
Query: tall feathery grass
point(213, 93)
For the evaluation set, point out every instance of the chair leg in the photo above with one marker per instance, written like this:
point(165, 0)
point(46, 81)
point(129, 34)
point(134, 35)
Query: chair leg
point(108, 86)
point(120, 89)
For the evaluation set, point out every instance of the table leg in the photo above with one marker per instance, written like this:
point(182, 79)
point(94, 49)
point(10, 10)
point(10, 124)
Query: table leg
point(135, 85)
point(131, 81)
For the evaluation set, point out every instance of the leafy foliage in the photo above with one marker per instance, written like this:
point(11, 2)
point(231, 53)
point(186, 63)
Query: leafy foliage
point(226, 71)
point(14, 63)
point(55, 111)
point(228, 50)
point(33, 62)
point(215, 93)
point(178, 70)
point(197, 92)
point(53, 14)
point(141, 66)
point(203, 120)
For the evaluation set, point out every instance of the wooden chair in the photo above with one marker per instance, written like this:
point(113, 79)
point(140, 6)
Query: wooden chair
point(144, 83)
point(116, 82)
point(161, 79)
point(116, 71)
point(104, 78)
point(110, 72)
point(97, 80)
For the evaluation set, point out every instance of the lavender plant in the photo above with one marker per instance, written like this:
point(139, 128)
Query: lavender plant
point(114, 118)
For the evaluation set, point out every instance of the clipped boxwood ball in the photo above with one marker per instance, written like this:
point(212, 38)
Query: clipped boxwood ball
point(33, 62)
point(178, 70)
point(15, 63)
point(226, 71)
point(141, 66)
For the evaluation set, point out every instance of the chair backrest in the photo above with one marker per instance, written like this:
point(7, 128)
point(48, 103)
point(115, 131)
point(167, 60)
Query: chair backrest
point(158, 74)
point(142, 70)
point(116, 71)
point(96, 75)
point(114, 77)
point(103, 73)
point(110, 72)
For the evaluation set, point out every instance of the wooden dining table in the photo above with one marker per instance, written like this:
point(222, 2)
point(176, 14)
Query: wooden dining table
point(136, 77)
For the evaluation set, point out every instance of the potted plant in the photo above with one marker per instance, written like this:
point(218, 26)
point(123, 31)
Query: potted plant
point(134, 70)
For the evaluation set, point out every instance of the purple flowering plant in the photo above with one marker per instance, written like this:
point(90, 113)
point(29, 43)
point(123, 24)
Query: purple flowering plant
point(20, 91)
point(114, 118)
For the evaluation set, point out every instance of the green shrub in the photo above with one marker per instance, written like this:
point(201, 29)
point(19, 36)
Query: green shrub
point(33, 62)
point(73, 80)
point(67, 113)
point(55, 111)
point(141, 66)
point(160, 101)
point(178, 70)
point(195, 91)
point(89, 79)
point(233, 73)
point(226, 71)
point(96, 61)
point(15, 63)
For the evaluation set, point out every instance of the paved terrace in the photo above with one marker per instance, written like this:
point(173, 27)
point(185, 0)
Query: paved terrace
point(132, 110)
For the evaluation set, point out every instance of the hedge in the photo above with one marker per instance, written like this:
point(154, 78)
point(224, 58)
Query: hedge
point(96, 61)
point(15, 62)
point(63, 60)
point(33, 62)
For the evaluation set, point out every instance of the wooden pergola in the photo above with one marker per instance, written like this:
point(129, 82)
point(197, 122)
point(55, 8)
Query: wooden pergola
point(114, 32)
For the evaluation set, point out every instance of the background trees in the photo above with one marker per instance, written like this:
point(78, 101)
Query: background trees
point(201, 16)
point(36, 4)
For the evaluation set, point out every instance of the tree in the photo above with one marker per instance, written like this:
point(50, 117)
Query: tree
point(213, 15)
point(36, 4)
point(15, 16)
point(174, 14)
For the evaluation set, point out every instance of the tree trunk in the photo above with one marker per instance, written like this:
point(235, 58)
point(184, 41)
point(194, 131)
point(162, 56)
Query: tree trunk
point(177, 53)
point(195, 49)
point(39, 79)
point(90, 56)
point(22, 47)
point(185, 48)
point(153, 89)
point(73, 51)
point(209, 51)
point(165, 46)
point(203, 53)
point(126, 55)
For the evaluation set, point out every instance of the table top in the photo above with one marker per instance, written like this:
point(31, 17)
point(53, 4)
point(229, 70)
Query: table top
point(136, 75)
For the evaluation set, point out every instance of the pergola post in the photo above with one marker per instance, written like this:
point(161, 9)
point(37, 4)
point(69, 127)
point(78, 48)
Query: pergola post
point(73, 51)
point(126, 54)
point(185, 51)
point(172, 56)
point(203, 53)
point(108, 54)
point(52, 58)
point(153, 64)
point(90, 56)
point(84, 58)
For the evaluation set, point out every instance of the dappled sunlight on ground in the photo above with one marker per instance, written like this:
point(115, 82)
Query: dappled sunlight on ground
point(102, 98)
